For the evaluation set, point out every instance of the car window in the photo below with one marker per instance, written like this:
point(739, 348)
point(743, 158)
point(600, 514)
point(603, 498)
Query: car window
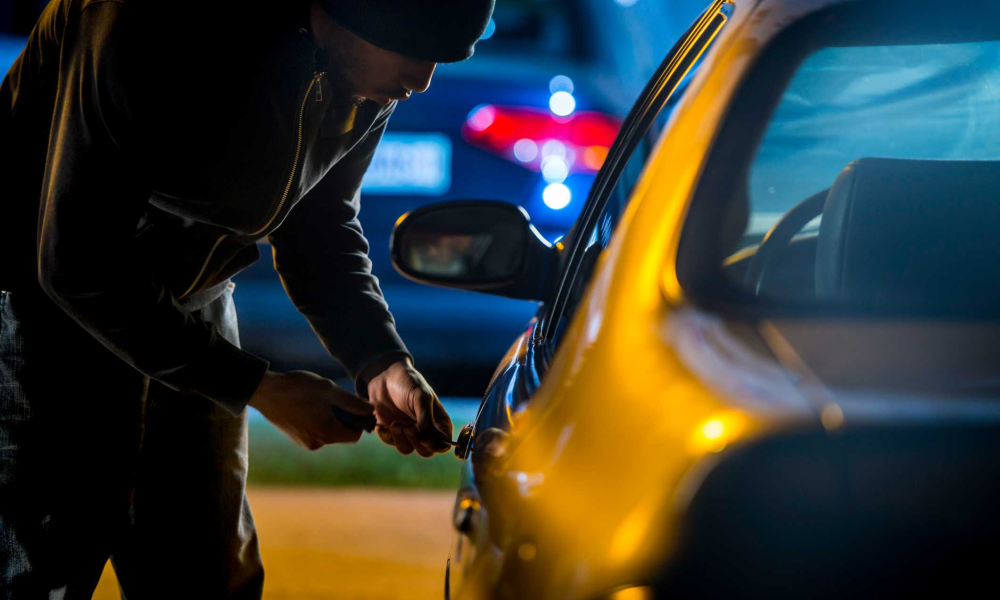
point(600, 234)
point(871, 187)
point(600, 219)
point(928, 101)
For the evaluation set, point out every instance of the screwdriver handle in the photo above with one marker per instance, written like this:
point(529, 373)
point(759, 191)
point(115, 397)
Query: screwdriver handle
point(366, 422)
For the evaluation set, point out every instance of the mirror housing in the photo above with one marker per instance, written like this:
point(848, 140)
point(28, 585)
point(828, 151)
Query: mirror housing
point(480, 245)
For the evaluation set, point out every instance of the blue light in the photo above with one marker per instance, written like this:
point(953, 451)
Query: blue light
point(491, 27)
point(562, 103)
point(481, 117)
point(556, 196)
point(554, 169)
point(561, 83)
point(525, 150)
point(554, 148)
point(626, 2)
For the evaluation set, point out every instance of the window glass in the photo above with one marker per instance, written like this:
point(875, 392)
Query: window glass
point(613, 206)
point(843, 104)
point(600, 235)
point(884, 162)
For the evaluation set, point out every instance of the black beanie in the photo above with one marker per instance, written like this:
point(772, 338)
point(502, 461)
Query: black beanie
point(434, 30)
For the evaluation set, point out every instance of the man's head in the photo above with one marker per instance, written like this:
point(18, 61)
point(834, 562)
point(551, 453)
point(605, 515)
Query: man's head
point(384, 49)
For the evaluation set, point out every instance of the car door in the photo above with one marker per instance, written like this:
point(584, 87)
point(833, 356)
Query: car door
point(482, 509)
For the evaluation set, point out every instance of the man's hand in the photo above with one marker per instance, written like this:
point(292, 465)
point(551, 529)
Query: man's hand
point(404, 402)
point(298, 403)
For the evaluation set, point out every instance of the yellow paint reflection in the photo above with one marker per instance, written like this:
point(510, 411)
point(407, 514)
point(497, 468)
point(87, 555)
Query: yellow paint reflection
point(526, 551)
point(715, 433)
point(628, 537)
point(633, 593)
point(713, 430)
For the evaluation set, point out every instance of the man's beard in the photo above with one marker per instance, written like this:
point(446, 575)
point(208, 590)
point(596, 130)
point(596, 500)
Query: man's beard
point(342, 63)
point(342, 93)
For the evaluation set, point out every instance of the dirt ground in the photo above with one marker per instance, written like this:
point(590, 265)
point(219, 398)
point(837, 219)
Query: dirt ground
point(363, 544)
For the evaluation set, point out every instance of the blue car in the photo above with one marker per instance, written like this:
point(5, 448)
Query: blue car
point(524, 121)
point(528, 120)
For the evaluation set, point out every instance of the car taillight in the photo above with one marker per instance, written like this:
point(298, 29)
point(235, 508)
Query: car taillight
point(541, 141)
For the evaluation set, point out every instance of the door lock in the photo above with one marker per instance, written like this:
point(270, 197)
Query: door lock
point(464, 442)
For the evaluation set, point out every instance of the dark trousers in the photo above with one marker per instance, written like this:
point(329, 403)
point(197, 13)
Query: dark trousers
point(98, 461)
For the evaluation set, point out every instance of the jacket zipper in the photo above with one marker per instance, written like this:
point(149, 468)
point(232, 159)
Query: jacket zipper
point(284, 196)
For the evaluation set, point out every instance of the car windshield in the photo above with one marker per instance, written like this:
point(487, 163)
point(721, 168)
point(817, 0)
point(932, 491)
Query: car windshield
point(876, 183)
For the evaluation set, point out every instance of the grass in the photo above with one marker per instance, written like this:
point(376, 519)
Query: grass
point(276, 460)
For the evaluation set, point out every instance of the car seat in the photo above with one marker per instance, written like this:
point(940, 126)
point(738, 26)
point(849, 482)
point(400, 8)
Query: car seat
point(922, 234)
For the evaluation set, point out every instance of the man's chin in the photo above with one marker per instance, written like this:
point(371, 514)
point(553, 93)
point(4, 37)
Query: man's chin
point(357, 101)
point(380, 100)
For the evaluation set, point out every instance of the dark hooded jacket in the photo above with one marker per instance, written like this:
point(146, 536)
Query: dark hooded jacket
point(147, 147)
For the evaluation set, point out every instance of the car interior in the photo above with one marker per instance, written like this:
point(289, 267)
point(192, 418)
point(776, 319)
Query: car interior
point(893, 232)
point(859, 177)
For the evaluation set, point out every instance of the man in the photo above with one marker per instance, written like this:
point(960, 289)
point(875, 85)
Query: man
point(147, 146)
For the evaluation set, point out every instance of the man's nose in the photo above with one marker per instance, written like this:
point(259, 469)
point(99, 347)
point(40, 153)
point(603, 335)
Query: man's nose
point(418, 78)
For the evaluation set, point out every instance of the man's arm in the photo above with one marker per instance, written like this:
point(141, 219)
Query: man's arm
point(321, 254)
point(93, 195)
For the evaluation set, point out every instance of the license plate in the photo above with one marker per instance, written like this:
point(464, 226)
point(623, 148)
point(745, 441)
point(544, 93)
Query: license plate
point(410, 164)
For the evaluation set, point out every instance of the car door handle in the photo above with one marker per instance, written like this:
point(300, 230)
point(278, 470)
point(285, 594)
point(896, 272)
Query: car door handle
point(466, 514)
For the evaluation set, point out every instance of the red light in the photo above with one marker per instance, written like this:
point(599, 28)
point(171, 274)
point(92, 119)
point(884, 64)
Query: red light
point(482, 118)
point(593, 156)
point(502, 128)
point(586, 135)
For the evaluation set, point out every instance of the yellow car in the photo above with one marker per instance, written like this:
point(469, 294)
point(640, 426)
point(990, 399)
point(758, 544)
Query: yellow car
point(766, 360)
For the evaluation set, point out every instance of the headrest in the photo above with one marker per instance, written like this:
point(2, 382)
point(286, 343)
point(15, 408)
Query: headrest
point(911, 233)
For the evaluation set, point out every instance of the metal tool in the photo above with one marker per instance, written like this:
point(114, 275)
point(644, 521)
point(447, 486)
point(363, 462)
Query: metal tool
point(386, 428)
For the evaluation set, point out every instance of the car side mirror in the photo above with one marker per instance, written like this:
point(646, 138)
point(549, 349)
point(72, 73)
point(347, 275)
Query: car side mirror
point(480, 245)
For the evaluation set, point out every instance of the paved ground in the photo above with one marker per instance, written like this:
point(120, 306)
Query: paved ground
point(363, 544)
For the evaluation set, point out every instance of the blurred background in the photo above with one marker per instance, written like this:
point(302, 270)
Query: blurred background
point(528, 120)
